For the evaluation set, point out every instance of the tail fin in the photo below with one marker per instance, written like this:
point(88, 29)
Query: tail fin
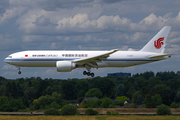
point(157, 43)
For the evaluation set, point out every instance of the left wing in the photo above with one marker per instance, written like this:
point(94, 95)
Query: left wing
point(92, 61)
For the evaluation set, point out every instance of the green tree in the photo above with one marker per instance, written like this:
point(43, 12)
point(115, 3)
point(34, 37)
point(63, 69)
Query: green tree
point(82, 85)
point(105, 85)
point(13, 105)
point(136, 86)
point(153, 81)
point(81, 94)
point(166, 75)
point(108, 113)
point(163, 110)
point(157, 99)
point(8, 90)
point(48, 101)
point(90, 111)
point(120, 100)
point(49, 90)
point(43, 101)
point(98, 103)
point(91, 103)
point(38, 78)
point(3, 100)
point(120, 90)
point(130, 93)
point(54, 105)
point(149, 102)
point(41, 87)
point(69, 110)
point(31, 93)
point(26, 102)
point(177, 98)
point(20, 91)
point(106, 103)
point(174, 105)
point(173, 95)
point(148, 75)
point(144, 91)
point(164, 91)
point(29, 83)
point(135, 96)
point(14, 90)
point(58, 98)
point(68, 88)
point(129, 87)
point(139, 100)
point(94, 92)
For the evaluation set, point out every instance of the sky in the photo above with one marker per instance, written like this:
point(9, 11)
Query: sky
point(86, 25)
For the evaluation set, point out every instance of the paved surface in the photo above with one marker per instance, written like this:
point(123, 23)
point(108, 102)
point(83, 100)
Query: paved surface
point(21, 113)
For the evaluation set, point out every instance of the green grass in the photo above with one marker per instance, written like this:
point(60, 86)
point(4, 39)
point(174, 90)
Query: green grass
point(105, 117)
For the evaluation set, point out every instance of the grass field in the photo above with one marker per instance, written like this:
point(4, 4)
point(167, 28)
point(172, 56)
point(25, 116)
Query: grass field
point(124, 117)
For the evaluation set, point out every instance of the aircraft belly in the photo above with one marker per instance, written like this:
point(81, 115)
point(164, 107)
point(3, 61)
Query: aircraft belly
point(125, 63)
point(34, 63)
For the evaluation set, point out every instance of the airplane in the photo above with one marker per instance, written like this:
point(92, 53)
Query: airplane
point(66, 61)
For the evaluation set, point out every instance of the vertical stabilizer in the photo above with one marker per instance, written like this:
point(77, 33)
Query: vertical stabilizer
point(158, 42)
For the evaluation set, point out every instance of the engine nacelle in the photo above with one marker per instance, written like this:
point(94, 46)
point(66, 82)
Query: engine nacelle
point(65, 66)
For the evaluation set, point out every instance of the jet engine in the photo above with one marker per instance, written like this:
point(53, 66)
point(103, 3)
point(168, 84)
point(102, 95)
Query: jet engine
point(65, 66)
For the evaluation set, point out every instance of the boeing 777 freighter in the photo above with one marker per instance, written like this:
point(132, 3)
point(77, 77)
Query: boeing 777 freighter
point(66, 61)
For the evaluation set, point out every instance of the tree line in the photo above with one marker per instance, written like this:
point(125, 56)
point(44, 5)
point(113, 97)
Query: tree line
point(145, 89)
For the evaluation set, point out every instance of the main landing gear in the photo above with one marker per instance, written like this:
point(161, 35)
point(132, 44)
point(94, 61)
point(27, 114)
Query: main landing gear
point(88, 73)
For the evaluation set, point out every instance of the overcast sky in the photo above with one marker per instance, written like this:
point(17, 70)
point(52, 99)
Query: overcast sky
point(86, 25)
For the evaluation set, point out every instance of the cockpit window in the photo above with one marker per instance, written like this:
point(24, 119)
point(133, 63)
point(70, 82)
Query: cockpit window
point(9, 56)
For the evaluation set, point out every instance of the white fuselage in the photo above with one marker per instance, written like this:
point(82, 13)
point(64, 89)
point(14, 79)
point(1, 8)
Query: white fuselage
point(66, 61)
point(49, 58)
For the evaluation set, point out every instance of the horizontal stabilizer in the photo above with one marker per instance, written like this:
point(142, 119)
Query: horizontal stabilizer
point(159, 56)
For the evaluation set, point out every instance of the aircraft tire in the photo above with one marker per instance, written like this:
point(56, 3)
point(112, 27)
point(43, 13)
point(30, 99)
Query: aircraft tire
point(19, 72)
point(92, 74)
point(84, 73)
point(88, 73)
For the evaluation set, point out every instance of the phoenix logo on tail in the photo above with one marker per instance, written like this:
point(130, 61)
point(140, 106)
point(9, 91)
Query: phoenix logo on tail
point(158, 43)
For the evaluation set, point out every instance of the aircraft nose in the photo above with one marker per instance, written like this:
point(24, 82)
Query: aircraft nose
point(7, 60)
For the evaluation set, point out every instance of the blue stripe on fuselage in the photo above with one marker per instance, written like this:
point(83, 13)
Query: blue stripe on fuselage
point(38, 59)
point(77, 58)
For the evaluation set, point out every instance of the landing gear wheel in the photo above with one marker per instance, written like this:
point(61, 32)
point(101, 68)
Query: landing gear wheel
point(88, 73)
point(84, 73)
point(92, 74)
point(19, 72)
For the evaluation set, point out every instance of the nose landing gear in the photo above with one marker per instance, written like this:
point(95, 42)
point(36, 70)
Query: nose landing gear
point(19, 70)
